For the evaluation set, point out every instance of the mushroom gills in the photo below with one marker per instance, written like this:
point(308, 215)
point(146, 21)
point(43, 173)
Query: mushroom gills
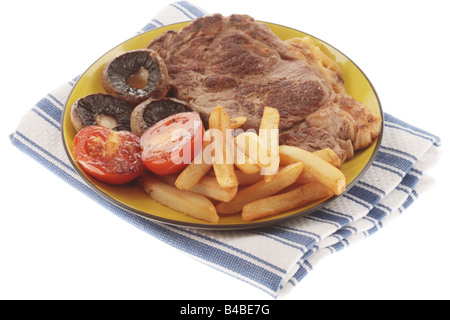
point(129, 66)
point(136, 76)
point(101, 109)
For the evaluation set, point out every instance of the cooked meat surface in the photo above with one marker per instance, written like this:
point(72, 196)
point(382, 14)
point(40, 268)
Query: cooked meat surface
point(336, 121)
point(312, 139)
point(243, 66)
point(349, 121)
point(368, 123)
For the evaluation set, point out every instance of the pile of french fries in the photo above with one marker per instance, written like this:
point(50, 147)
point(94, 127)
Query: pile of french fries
point(252, 187)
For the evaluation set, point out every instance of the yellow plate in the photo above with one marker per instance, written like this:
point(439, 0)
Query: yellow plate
point(133, 199)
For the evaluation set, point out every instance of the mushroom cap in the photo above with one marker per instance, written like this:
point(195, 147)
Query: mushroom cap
point(117, 72)
point(88, 111)
point(151, 111)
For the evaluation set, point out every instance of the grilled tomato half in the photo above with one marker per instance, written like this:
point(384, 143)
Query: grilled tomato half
point(110, 156)
point(170, 144)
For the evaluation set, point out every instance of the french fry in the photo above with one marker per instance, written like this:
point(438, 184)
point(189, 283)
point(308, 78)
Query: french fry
point(329, 156)
point(254, 147)
point(285, 201)
point(224, 171)
point(268, 132)
point(261, 189)
point(187, 202)
point(237, 122)
point(322, 171)
point(210, 188)
point(244, 163)
point(270, 119)
point(305, 178)
point(248, 167)
point(194, 172)
point(326, 154)
point(207, 186)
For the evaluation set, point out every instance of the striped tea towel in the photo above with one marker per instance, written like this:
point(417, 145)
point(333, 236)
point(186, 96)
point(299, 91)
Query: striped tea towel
point(273, 258)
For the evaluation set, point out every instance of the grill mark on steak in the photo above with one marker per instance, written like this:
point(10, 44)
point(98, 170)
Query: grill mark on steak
point(241, 65)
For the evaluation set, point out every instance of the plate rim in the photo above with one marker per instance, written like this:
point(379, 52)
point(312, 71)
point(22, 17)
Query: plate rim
point(205, 225)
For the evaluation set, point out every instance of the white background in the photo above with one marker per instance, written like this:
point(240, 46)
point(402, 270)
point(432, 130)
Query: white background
point(57, 244)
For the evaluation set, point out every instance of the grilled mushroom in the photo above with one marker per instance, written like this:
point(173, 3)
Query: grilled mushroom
point(136, 76)
point(101, 109)
point(151, 111)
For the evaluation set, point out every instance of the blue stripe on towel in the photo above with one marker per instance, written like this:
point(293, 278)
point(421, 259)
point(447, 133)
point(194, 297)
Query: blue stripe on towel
point(183, 11)
point(377, 213)
point(49, 108)
point(343, 233)
point(287, 235)
point(43, 116)
point(194, 10)
point(364, 194)
point(400, 152)
point(393, 160)
point(330, 217)
point(410, 180)
point(417, 131)
point(149, 26)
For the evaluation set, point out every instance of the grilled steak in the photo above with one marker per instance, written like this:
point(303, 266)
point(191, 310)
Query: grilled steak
point(243, 66)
